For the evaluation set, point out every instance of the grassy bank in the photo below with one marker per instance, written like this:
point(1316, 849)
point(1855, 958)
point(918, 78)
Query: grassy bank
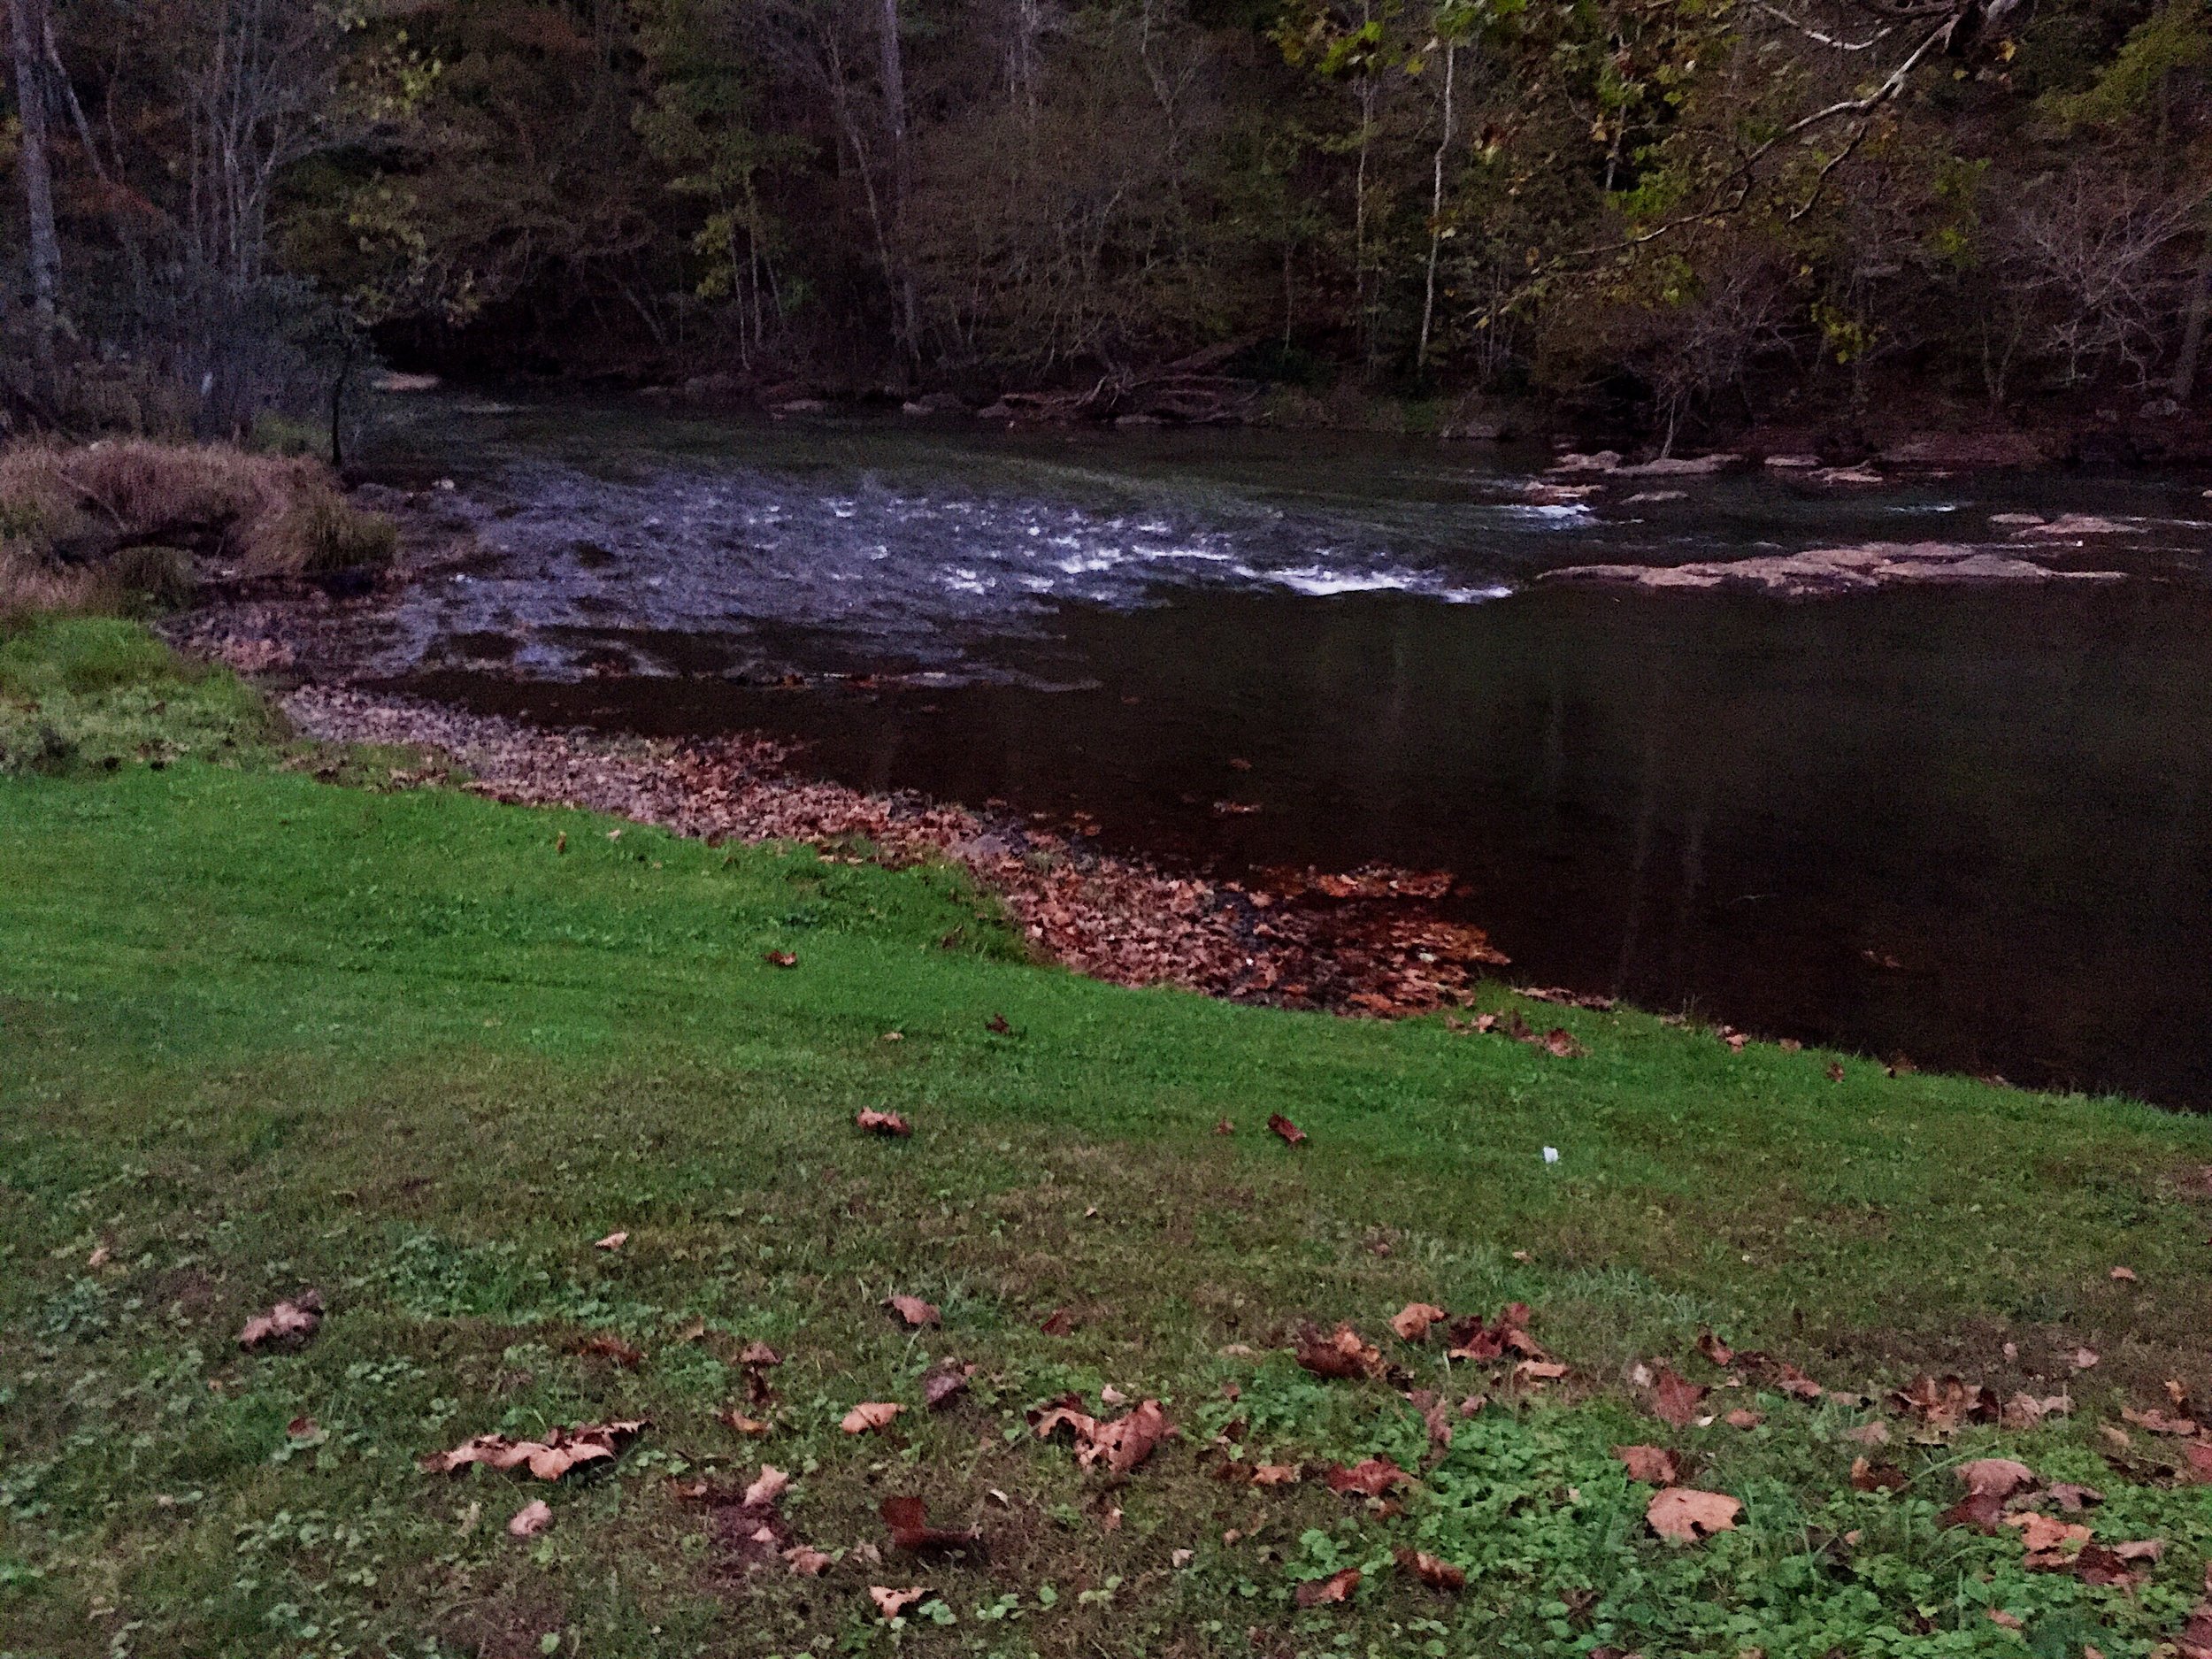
point(259, 1033)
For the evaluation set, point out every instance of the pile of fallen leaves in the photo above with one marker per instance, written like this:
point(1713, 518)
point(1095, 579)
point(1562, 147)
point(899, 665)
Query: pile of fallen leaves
point(1370, 943)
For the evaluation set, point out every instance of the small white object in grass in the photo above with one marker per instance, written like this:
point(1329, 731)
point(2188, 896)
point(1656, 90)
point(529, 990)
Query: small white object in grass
point(1551, 1154)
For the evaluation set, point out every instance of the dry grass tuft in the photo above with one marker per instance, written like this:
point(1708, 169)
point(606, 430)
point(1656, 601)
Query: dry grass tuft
point(271, 515)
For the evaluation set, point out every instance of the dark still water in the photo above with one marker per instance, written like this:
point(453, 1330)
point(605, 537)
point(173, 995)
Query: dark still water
point(1970, 827)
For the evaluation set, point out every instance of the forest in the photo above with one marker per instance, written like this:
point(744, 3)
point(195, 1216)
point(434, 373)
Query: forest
point(1675, 217)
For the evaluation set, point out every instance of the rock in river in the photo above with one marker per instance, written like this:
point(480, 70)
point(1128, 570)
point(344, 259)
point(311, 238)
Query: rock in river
point(1821, 573)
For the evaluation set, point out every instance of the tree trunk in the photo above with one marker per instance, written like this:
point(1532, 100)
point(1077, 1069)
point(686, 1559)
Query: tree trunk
point(2185, 380)
point(1436, 207)
point(902, 172)
point(29, 25)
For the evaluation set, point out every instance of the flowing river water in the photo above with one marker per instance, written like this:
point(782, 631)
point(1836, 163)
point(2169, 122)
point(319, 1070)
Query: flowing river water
point(1972, 827)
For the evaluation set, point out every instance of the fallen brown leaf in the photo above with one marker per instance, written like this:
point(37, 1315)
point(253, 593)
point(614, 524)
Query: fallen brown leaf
point(1743, 1417)
point(2198, 1463)
point(1715, 1349)
point(1675, 1399)
point(2000, 1476)
point(1341, 1354)
point(2125, 1275)
point(2041, 1535)
point(1337, 1587)
point(1872, 1477)
point(913, 1310)
point(612, 1241)
point(1059, 1322)
point(1436, 1573)
point(1653, 1464)
point(946, 1383)
point(1412, 1321)
point(1371, 1477)
point(1128, 1441)
point(758, 1355)
point(807, 1561)
point(1275, 1475)
point(2158, 1422)
point(1224, 1127)
point(780, 959)
point(738, 1420)
point(770, 1484)
point(891, 1603)
point(548, 1459)
point(288, 1324)
point(908, 1518)
point(882, 1122)
point(531, 1519)
point(1291, 1132)
point(870, 1414)
point(1685, 1514)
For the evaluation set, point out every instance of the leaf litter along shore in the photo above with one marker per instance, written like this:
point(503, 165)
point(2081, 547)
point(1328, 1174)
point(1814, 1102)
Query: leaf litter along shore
point(1369, 941)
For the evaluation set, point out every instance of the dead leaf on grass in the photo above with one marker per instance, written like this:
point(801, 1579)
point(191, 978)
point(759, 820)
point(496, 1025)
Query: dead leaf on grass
point(770, 1484)
point(1275, 1474)
point(890, 1603)
point(548, 1459)
point(1654, 1464)
point(1291, 1134)
point(1434, 1572)
point(949, 1381)
point(882, 1122)
point(780, 959)
point(531, 1519)
point(2025, 1412)
point(1341, 1354)
point(908, 1518)
point(1715, 1349)
point(1371, 1477)
point(735, 1418)
point(913, 1310)
point(1872, 1477)
point(2125, 1275)
point(870, 1414)
point(1224, 1127)
point(2198, 1464)
point(2085, 1358)
point(1412, 1321)
point(1675, 1399)
point(288, 1324)
point(1743, 1417)
point(2000, 1477)
point(1122, 1444)
point(1337, 1586)
point(1059, 1322)
point(806, 1561)
point(758, 1355)
point(612, 1241)
point(2158, 1422)
point(1944, 1404)
point(1685, 1514)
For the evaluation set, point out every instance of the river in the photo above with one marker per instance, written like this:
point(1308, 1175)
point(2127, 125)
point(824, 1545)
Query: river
point(1969, 826)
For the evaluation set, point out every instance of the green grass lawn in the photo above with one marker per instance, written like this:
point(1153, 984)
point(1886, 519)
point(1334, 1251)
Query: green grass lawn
point(261, 1032)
